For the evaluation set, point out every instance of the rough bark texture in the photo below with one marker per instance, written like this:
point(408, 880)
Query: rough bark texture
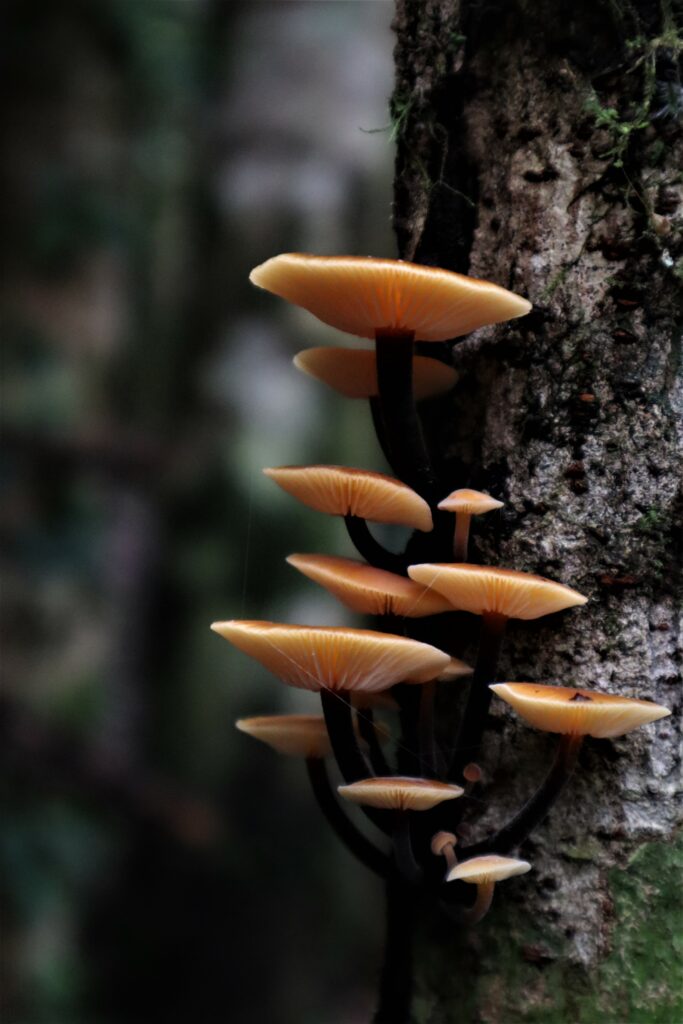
point(540, 147)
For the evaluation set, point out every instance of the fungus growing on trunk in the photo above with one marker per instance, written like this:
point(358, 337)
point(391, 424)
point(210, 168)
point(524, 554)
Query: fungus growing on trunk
point(497, 595)
point(335, 661)
point(484, 872)
point(395, 303)
point(370, 591)
point(401, 795)
point(466, 503)
point(357, 495)
point(574, 714)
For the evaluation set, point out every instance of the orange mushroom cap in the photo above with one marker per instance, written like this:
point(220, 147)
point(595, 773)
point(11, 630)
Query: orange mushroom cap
point(565, 709)
point(353, 372)
point(400, 793)
point(473, 503)
point(362, 588)
point(491, 868)
point(295, 735)
point(363, 296)
point(483, 590)
point(334, 657)
point(340, 491)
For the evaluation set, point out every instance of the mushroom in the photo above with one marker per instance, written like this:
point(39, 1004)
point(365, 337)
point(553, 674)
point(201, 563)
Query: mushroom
point(395, 303)
point(574, 714)
point(357, 495)
point(306, 736)
point(352, 372)
point(368, 590)
point(443, 845)
point(466, 503)
point(484, 872)
point(497, 595)
point(401, 794)
point(334, 661)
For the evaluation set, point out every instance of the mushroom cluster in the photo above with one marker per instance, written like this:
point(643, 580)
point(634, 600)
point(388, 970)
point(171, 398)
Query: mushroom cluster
point(419, 794)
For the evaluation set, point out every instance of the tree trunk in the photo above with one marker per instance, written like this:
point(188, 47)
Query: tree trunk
point(540, 147)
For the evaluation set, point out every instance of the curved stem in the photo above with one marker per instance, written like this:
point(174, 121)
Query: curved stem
point(370, 549)
point(396, 983)
point(403, 849)
point(479, 698)
point(399, 413)
point(462, 536)
point(481, 905)
point(538, 806)
point(353, 766)
point(368, 732)
point(381, 430)
point(337, 711)
point(359, 845)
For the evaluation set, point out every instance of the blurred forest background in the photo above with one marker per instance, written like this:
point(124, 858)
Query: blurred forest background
point(157, 865)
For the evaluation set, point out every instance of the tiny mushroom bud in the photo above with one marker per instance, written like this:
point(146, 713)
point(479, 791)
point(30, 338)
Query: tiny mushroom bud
point(472, 772)
point(484, 872)
point(466, 503)
point(443, 845)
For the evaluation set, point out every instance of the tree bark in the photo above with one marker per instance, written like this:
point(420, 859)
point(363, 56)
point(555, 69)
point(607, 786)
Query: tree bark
point(540, 147)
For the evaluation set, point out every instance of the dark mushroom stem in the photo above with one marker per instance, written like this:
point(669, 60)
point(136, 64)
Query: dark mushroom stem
point(396, 982)
point(404, 855)
point(371, 549)
point(407, 447)
point(479, 697)
point(538, 806)
point(358, 844)
point(381, 430)
point(368, 732)
point(338, 714)
point(337, 710)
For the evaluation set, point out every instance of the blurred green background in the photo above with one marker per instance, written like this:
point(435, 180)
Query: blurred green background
point(157, 865)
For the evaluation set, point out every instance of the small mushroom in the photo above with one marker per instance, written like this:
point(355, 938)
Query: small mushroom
point(484, 872)
point(401, 795)
point(466, 503)
point(443, 845)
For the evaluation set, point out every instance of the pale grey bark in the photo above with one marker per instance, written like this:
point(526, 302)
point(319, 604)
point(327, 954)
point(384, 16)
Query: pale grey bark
point(509, 169)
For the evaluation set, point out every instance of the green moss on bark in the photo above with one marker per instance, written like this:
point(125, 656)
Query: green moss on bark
point(527, 972)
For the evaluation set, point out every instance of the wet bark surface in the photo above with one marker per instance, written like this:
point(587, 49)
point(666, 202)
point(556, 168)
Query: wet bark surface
point(542, 150)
